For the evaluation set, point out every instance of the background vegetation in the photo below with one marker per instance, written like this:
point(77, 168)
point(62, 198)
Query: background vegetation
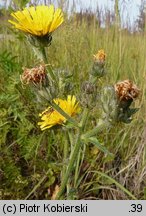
point(30, 163)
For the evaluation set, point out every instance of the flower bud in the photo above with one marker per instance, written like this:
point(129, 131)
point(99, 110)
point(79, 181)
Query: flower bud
point(37, 41)
point(100, 57)
point(109, 103)
point(88, 87)
point(98, 69)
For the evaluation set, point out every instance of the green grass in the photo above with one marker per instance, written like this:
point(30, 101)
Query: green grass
point(31, 160)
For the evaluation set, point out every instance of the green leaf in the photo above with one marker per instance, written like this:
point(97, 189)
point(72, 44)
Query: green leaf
point(133, 111)
point(108, 158)
point(117, 184)
point(102, 148)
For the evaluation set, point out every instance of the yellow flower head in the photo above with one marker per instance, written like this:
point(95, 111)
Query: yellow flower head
point(51, 117)
point(38, 21)
point(100, 56)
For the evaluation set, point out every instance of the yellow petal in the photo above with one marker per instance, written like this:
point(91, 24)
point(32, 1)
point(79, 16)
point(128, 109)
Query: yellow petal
point(39, 21)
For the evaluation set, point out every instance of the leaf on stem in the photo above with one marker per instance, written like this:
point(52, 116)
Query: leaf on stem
point(102, 148)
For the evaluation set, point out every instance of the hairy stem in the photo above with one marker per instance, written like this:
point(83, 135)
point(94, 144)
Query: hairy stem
point(101, 126)
point(45, 59)
point(70, 167)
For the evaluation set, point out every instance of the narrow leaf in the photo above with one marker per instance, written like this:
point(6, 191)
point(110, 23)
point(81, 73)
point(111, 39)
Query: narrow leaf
point(102, 148)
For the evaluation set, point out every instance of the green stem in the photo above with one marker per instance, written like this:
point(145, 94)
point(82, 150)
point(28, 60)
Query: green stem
point(93, 80)
point(84, 118)
point(101, 126)
point(82, 126)
point(77, 169)
point(65, 153)
point(117, 15)
point(45, 59)
point(38, 185)
point(73, 157)
point(71, 140)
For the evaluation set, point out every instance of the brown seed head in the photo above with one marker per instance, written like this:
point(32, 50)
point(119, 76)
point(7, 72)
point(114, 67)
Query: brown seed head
point(126, 90)
point(34, 75)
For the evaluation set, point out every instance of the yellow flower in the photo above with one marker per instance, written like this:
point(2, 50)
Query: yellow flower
point(51, 117)
point(38, 21)
point(100, 56)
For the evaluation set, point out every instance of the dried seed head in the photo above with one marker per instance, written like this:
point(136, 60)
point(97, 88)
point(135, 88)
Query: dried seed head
point(36, 75)
point(100, 57)
point(126, 90)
